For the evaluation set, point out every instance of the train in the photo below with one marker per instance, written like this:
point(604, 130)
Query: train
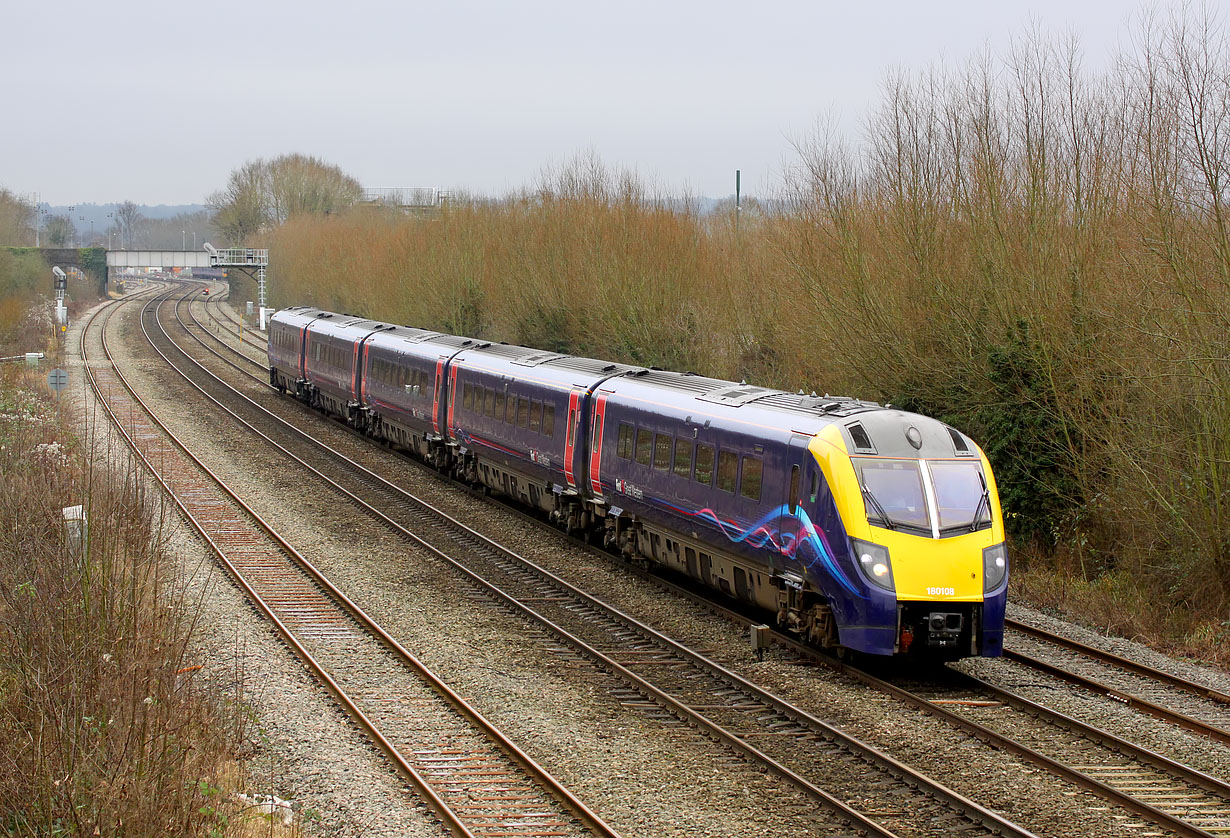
point(859, 527)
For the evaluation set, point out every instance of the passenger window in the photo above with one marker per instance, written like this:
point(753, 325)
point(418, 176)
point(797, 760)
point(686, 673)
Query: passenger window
point(683, 458)
point(467, 399)
point(510, 415)
point(535, 415)
point(523, 412)
point(548, 420)
point(751, 478)
point(704, 464)
point(728, 467)
point(499, 405)
point(624, 449)
point(489, 402)
point(644, 446)
point(661, 452)
point(814, 488)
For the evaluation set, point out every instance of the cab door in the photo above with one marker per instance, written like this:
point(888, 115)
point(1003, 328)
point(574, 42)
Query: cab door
point(794, 524)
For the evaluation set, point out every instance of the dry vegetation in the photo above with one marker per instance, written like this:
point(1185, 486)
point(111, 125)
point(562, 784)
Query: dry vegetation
point(1033, 252)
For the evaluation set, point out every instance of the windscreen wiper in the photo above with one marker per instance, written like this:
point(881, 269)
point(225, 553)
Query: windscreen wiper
point(984, 502)
point(879, 509)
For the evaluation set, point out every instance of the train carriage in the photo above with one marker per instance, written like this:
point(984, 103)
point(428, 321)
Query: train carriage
point(404, 390)
point(331, 346)
point(516, 415)
point(286, 332)
point(784, 500)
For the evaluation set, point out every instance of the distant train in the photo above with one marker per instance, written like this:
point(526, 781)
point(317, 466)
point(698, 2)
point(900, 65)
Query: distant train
point(857, 525)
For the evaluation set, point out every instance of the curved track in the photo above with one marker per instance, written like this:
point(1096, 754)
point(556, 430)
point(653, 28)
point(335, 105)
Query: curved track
point(659, 675)
point(475, 780)
point(1157, 789)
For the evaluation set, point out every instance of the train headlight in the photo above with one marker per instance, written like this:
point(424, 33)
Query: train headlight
point(994, 567)
point(873, 559)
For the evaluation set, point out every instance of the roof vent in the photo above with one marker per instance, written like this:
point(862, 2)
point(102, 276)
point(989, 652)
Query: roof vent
point(736, 395)
point(958, 443)
point(862, 442)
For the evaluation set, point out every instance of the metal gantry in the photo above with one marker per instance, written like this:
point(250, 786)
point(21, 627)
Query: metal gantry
point(244, 258)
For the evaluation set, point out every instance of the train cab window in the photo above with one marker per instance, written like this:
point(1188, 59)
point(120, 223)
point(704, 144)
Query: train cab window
point(751, 478)
point(727, 471)
point(644, 446)
point(535, 415)
point(548, 420)
point(523, 412)
point(704, 464)
point(683, 458)
point(624, 449)
point(499, 405)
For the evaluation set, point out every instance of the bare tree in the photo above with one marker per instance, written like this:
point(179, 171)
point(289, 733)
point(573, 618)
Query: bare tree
point(17, 219)
point(130, 224)
point(262, 193)
point(59, 231)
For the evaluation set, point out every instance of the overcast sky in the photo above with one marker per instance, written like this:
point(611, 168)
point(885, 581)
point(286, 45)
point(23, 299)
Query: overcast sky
point(157, 102)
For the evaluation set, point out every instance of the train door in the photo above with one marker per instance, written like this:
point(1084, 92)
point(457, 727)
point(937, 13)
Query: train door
point(437, 393)
point(794, 524)
point(303, 349)
point(356, 370)
point(571, 465)
point(595, 452)
point(451, 398)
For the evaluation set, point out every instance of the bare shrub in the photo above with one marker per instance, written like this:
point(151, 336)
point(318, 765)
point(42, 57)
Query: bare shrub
point(105, 724)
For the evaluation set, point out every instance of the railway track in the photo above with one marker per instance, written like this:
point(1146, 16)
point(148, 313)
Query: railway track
point(226, 320)
point(1150, 786)
point(1197, 707)
point(475, 780)
point(659, 676)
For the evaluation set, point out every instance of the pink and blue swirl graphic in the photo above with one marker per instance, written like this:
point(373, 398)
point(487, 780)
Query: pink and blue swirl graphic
point(805, 542)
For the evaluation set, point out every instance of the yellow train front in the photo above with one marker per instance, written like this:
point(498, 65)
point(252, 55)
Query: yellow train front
point(916, 502)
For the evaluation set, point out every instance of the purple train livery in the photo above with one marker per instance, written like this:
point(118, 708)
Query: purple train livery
point(858, 526)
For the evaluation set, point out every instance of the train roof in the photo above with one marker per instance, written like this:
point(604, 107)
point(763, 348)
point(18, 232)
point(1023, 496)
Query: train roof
point(565, 371)
point(418, 341)
point(867, 427)
point(739, 394)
